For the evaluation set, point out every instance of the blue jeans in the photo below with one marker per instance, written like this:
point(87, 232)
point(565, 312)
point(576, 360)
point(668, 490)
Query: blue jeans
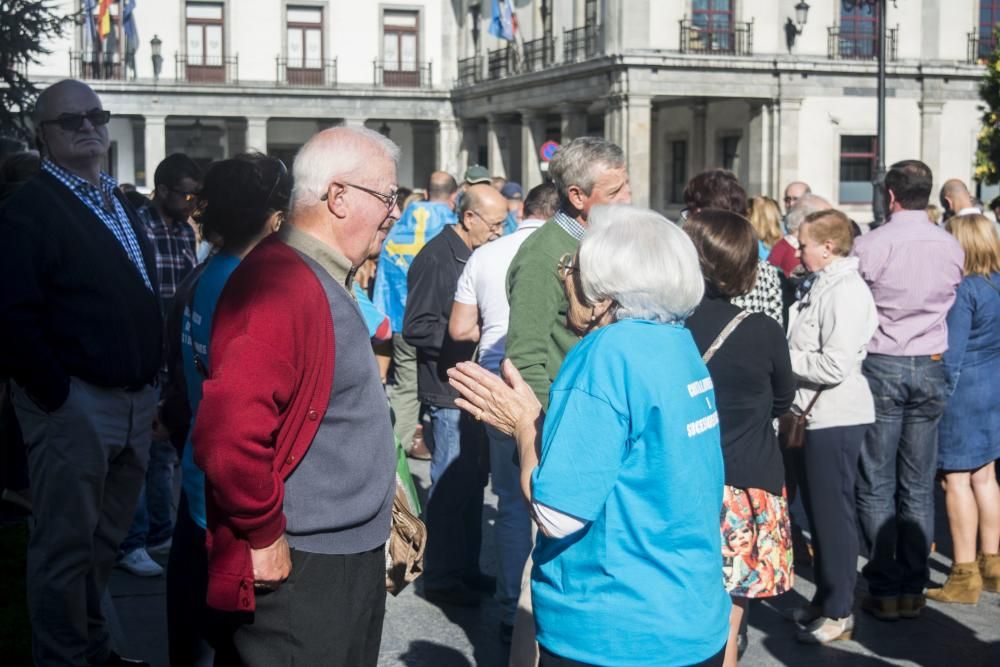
point(153, 523)
point(454, 511)
point(896, 471)
point(513, 522)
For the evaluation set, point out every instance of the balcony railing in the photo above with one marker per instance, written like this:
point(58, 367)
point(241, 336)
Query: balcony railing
point(501, 62)
point(206, 69)
point(312, 73)
point(99, 65)
point(579, 43)
point(402, 74)
point(539, 53)
point(980, 48)
point(735, 39)
point(859, 45)
point(470, 71)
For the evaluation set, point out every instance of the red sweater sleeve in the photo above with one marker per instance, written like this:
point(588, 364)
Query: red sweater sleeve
point(252, 380)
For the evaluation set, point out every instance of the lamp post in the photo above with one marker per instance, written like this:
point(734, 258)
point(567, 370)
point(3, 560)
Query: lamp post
point(794, 29)
point(155, 44)
point(879, 211)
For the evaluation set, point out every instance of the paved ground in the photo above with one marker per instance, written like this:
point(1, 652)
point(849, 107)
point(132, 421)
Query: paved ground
point(418, 634)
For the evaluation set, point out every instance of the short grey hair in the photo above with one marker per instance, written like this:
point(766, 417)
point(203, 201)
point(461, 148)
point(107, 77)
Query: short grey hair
point(642, 261)
point(335, 152)
point(808, 203)
point(580, 161)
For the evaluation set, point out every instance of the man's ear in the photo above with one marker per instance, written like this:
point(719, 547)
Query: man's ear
point(162, 191)
point(575, 196)
point(336, 203)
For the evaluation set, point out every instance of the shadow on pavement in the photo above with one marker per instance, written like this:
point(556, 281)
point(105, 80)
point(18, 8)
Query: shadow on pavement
point(428, 654)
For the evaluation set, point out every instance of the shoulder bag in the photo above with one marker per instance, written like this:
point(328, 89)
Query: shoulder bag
point(404, 552)
point(792, 426)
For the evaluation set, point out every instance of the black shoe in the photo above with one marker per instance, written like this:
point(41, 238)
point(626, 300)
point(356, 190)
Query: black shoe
point(481, 583)
point(506, 633)
point(458, 595)
point(115, 660)
point(742, 642)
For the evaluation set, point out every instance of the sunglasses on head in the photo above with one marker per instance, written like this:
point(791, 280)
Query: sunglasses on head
point(72, 122)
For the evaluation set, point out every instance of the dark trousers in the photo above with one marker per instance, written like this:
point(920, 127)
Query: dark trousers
point(896, 471)
point(454, 513)
point(197, 635)
point(827, 476)
point(328, 612)
point(549, 659)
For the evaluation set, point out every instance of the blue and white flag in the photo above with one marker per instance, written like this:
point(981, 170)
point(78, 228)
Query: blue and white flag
point(504, 23)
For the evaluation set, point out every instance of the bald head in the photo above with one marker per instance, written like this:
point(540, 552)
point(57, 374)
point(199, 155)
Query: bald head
point(793, 192)
point(955, 196)
point(808, 203)
point(482, 196)
point(79, 141)
point(481, 215)
point(53, 100)
point(441, 187)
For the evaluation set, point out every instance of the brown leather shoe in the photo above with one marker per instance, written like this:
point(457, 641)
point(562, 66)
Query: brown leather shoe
point(418, 448)
point(989, 570)
point(911, 605)
point(882, 608)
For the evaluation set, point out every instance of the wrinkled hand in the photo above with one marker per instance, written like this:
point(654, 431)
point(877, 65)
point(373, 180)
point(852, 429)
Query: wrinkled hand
point(366, 273)
point(508, 405)
point(272, 564)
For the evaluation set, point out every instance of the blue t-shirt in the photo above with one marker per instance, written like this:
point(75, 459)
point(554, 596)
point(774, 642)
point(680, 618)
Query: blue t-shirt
point(420, 222)
point(196, 333)
point(631, 446)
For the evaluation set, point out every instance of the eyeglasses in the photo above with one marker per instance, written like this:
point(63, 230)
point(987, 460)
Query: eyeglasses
point(685, 212)
point(566, 266)
point(493, 226)
point(186, 196)
point(282, 172)
point(389, 199)
point(73, 122)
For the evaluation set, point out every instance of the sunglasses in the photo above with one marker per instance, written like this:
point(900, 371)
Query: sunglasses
point(186, 196)
point(282, 172)
point(73, 122)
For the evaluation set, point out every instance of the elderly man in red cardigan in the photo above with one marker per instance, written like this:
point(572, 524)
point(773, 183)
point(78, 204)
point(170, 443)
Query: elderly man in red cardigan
point(293, 432)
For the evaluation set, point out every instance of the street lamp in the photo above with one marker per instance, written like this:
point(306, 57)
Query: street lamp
point(793, 30)
point(154, 45)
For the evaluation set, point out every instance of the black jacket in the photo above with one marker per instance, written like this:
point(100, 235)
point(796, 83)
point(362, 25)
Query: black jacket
point(72, 302)
point(431, 283)
point(754, 383)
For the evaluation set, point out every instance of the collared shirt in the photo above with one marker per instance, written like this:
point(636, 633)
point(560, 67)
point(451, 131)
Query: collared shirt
point(570, 225)
point(105, 205)
point(175, 244)
point(326, 256)
point(913, 269)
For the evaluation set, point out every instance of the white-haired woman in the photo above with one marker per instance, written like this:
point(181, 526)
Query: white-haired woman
point(625, 481)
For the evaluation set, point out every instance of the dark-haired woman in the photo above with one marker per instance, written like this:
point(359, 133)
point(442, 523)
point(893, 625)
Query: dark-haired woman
point(243, 200)
point(752, 373)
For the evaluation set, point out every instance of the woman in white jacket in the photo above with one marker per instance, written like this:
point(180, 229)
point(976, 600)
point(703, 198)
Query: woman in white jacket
point(828, 335)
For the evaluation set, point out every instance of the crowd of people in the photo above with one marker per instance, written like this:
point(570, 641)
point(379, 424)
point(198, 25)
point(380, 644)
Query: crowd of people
point(647, 398)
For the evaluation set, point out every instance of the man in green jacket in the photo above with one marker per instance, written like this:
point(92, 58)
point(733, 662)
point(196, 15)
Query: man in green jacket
point(588, 171)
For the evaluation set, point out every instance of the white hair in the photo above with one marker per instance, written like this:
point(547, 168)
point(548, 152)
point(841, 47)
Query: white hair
point(335, 152)
point(642, 261)
point(807, 203)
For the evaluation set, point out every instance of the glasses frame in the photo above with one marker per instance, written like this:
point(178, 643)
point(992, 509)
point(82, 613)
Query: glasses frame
point(186, 196)
point(73, 122)
point(390, 200)
point(566, 266)
point(282, 172)
point(493, 226)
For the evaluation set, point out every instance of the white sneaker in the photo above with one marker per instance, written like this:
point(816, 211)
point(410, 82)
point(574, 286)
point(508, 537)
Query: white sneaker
point(161, 549)
point(139, 563)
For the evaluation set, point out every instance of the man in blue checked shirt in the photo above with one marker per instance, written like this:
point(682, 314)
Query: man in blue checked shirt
point(80, 334)
point(421, 221)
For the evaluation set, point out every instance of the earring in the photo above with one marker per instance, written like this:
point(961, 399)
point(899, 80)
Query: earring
point(277, 222)
point(825, 255)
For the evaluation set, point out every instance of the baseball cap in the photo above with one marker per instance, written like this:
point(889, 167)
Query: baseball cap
point(512, 190)
point(477, 174)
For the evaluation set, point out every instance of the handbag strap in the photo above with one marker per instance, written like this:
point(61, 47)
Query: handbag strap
point(723, 335)
point(812, 402)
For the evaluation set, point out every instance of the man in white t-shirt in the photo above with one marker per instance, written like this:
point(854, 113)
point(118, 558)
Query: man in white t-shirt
point(480, 313)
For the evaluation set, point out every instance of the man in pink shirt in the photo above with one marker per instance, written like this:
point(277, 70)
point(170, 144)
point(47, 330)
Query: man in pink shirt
point(913, 269)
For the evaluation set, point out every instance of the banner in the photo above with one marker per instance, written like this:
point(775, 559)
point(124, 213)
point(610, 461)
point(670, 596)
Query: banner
point(504, 23)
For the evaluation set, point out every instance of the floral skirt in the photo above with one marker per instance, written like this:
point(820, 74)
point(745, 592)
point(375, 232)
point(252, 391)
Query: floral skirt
point(756, 543)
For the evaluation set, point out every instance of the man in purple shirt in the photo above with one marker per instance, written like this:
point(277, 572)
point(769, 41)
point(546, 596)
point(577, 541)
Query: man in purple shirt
point(913, 268)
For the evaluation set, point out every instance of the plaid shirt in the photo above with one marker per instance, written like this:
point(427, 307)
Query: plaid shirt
point(570, 225)
point(175, 245)
point(108, 209)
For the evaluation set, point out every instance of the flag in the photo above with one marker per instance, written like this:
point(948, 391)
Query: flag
point(104, 18)
point(128, 23)
point(504, 22)
point(90, 29)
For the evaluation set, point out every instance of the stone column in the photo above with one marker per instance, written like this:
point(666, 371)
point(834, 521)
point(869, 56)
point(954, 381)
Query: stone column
point(699, 110)
point(788, 142)
point(449, 148)
point(638, 145)
point(573, 122)
point(495, 140)
point(257, 134)
point(156, 145)
point(532, 136)
point(470, 146)
point(930, 138)
point(615, 120)
point(757, 141)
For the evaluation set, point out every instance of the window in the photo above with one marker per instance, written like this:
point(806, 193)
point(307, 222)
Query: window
point(678, 170)
point(730, 150)
point(857, 168)
point(714, 19)
point(858, 32)
point(205, 60)
point(304, 48)
point(400, 48)
point(989, 16)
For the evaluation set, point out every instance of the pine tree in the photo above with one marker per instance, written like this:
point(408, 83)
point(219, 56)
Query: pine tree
point(988, 139)
point(25, 26)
